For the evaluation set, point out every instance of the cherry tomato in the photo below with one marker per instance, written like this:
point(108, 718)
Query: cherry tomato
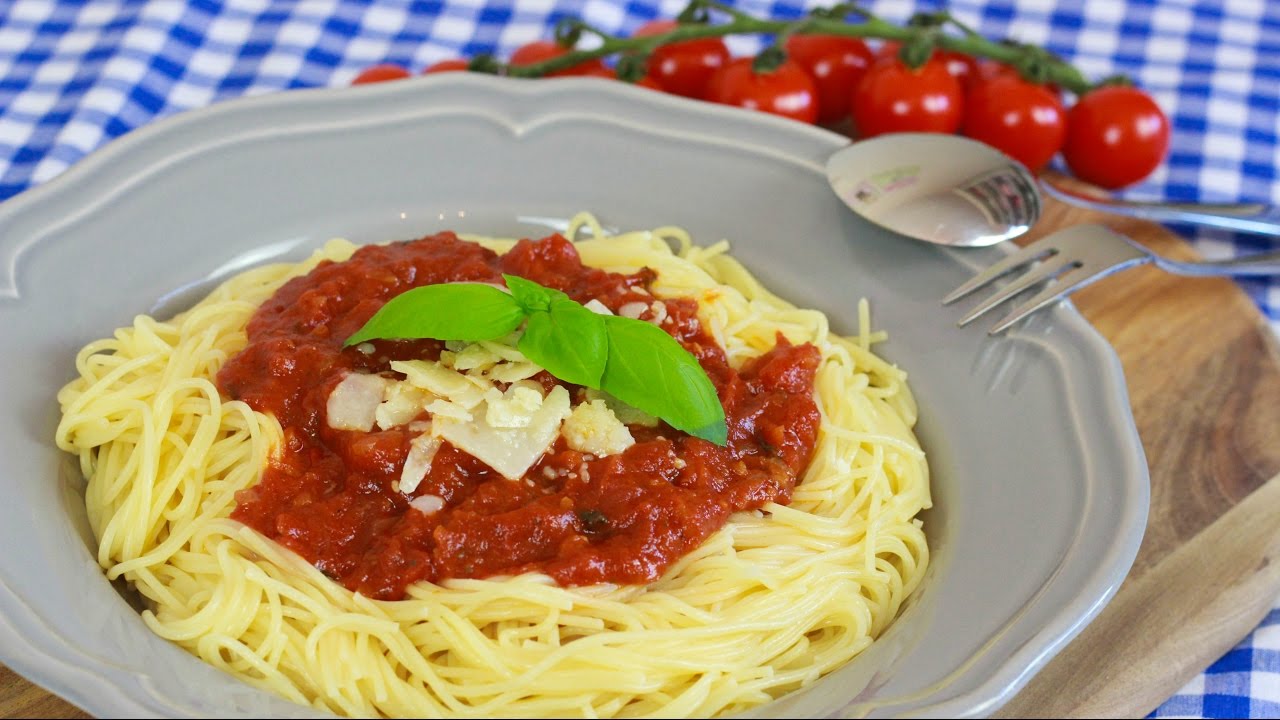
point(446, 66)
point(381, 73)
point(609, 73)
point(787, 91)
point(963, 67)
point(1024, 120)
point(895, 98)
point(644, 82)
point(836, 64)
point(648, 82)
point(684, 68)
point(988, 69)
point(539, 50)
point(601, 71)
point(1116, 135)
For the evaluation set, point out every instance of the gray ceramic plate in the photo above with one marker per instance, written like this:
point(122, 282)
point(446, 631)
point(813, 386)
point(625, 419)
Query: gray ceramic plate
point(1040, 483)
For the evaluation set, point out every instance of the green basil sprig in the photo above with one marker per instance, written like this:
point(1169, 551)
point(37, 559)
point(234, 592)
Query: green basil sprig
point(631, 360)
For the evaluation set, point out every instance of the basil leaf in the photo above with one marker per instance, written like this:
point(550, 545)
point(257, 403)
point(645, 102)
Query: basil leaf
point(530, 295)
point(568, 340)
point(632, 360)
point(450, 311)
point(649, 370)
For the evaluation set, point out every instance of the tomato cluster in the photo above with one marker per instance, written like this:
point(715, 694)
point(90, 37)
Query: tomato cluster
point(1112, 136)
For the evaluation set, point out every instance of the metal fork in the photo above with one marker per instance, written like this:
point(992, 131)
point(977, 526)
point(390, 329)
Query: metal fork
point(1077, 256)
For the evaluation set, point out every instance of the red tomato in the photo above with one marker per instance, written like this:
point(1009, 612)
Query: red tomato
point(684, 68)
point(446, 66)
point(1116, 135)
point(963, 67)
point(600, 71)
point(888, 49)
point(609, 73)
point(895, 98)
point(787, 91)
point(539, 50)
point(380, 73)
point(648, 82)
point(645, 82)
point(836, 64)
point(1024, 120)
point(988, 69)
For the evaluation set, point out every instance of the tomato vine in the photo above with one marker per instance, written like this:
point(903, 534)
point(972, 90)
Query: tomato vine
point(924, 33)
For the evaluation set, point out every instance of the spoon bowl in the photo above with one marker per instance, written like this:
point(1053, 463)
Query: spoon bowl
point(943, 189)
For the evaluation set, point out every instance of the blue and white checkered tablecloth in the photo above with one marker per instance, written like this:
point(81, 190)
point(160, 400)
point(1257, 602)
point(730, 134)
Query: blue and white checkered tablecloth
point(75, 75)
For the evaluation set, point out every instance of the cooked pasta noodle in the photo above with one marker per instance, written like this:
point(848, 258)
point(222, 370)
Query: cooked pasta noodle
point(768, 604)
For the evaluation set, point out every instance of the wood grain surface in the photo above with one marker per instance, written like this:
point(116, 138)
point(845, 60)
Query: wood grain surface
point(1204, 382)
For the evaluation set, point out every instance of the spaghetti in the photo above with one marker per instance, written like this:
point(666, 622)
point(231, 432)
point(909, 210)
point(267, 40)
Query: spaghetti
point(768, 604)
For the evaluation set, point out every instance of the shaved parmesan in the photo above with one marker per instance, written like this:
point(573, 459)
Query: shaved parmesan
point(401, 403)
point(444, 408)
point(475, 357)
point(483, 364)
point(509, 451)
point(422, 451)
point(510, 372)
point(439, 380)
point(354, 402)
point(593, 428)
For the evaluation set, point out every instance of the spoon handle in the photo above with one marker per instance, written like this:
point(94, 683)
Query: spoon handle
point(1244, 217)
point(1259, 264)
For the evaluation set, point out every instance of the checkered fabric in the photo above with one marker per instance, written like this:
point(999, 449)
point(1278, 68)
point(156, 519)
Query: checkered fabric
point(75, 75)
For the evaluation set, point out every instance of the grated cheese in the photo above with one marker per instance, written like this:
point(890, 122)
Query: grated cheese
point(593, 428)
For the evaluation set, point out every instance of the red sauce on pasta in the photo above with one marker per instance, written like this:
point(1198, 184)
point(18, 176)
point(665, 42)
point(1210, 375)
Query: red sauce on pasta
point(331, 495)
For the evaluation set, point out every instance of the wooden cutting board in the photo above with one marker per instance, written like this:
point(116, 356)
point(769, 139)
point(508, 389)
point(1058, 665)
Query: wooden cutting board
point(1204, 381)
point(1203, 371)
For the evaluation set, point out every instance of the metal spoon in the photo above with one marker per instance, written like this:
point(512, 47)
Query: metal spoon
point(951, 190)
point(943, 189)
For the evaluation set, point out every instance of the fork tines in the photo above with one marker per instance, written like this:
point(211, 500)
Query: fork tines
point(1068, 260)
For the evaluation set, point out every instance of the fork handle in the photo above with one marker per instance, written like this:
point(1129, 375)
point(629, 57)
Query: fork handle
point(1267, 263)
point(1243, 217)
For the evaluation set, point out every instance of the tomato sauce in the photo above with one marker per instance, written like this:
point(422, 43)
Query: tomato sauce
point(332, 495)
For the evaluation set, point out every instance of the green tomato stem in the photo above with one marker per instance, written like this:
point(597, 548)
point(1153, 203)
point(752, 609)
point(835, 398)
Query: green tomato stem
point(1023, 57)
